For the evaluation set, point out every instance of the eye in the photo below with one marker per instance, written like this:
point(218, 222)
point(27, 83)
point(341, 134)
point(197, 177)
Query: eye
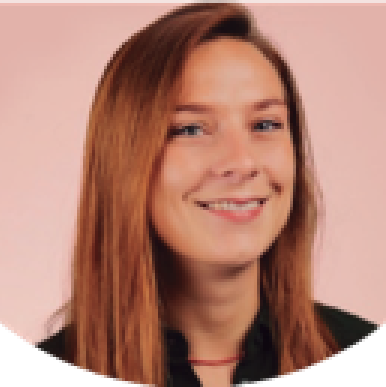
point(276, 124)
point(179, 129)
point(191, 128)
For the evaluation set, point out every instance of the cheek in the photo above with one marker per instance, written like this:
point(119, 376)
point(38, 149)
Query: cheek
point(280, 158)
point(182, 170)
point(172, 180)
point(177, 177)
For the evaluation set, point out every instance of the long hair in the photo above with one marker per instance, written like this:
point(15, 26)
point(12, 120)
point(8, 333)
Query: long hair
point(114, 313)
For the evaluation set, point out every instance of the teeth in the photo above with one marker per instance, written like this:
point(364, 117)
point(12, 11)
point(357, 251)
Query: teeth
point(230, 206)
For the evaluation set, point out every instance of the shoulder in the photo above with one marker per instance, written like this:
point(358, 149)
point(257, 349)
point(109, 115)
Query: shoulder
point(55, 344)
point(347, 328)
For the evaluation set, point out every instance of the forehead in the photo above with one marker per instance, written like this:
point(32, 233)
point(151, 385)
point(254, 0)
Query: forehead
point(227, 66)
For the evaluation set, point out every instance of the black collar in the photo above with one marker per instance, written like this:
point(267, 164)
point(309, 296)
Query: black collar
point(258, 335)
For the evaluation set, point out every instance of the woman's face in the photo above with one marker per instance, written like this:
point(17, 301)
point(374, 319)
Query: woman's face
point(230, 142)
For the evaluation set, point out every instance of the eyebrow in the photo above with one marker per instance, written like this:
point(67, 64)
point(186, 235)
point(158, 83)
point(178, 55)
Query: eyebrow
point(257, 106)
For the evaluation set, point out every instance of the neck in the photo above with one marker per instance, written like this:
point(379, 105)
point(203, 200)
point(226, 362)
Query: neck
point(216, 309)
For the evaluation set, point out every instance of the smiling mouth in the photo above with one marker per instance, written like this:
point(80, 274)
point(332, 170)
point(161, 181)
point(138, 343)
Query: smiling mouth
point(206, 205)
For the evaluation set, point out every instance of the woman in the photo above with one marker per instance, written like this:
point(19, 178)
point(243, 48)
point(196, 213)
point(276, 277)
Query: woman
point(198, 211)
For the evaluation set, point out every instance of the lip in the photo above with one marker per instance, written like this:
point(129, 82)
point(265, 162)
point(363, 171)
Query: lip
point(239, 216)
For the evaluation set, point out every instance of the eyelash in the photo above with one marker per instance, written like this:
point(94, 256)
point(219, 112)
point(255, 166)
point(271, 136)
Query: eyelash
point(179, 129)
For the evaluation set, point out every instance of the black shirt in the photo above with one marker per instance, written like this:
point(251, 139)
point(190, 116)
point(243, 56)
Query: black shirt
point(260, 358)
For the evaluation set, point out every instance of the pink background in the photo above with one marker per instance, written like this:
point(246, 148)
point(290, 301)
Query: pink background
point(51, 59)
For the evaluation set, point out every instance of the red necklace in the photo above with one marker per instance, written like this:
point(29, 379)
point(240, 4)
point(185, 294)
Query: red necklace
point(214, 362)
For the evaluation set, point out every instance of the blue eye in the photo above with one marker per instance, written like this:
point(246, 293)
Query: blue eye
point(176, 130)
point(278, 125)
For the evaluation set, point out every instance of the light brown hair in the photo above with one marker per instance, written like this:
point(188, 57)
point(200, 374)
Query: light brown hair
point(115, 309)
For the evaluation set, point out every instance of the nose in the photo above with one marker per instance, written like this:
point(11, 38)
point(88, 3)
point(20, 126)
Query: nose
point(236, 158)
